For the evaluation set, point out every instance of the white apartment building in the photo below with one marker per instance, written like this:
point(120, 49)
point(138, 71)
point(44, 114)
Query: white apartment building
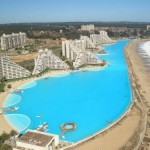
point(46, 59)
point(84, 44)
point(101, 38)
point(11, 70)
point(88, 43)
point(36, 140)
point(78, 56)
point(13, 40)
point(148, 27)
point(87, 27)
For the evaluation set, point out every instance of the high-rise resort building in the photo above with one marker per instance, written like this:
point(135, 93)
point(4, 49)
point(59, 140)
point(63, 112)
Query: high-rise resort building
point(11, 70)
point(77, 54)
point(148, 27)
point(101, 38)
point(36, 140)
point(46, 59)
point(13, 40)
point(87, 27)
point(88, 43)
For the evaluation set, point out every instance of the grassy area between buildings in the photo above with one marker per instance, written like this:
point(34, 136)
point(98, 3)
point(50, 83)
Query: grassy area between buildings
point(2, 86)
point(4, 140)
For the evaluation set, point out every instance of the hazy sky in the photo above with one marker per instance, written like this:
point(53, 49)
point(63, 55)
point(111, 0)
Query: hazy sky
point(17, 11)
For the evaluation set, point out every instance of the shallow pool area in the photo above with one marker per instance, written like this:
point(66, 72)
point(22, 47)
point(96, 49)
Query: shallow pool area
point(88, 98)
point(12, 100)
point(18, 121)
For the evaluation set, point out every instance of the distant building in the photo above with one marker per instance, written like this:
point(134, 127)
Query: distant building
point(148, 27)
point(101, 38)
point(13, 40)
point(46, 59)
point(88, 27)
point(11, 70)
point(61, 31)
point(36, 140)
point(75, 52)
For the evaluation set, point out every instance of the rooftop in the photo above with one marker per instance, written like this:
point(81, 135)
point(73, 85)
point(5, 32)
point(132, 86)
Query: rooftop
point(36, 138)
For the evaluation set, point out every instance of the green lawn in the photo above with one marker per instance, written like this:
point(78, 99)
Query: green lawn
point(2, 86)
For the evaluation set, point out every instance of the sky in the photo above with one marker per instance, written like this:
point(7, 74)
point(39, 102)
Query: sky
point(22, 11)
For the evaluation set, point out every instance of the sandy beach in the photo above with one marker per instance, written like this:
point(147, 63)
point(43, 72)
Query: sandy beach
point(139, 70)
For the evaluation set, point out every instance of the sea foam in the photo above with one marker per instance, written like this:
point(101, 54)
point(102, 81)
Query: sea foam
point(146, 47)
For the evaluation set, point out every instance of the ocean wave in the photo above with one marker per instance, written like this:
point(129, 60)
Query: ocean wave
point(146, 47)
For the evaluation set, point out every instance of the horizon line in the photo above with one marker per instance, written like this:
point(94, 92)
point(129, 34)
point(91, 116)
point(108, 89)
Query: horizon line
point(142, 22)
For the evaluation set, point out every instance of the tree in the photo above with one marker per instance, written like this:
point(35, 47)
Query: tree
point(5, 136)
point(135, 32)
point(13, 133)
point(1, 140)
point(9, 86)
point(5, 147)
point(3, 79)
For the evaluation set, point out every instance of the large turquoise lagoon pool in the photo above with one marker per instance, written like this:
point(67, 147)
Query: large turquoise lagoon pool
point(88, 98)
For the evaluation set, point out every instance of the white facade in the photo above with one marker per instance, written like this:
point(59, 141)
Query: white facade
point(88, 43)
point(46, 59)
point(148, 27)
point(88, 27)
point(101, 38)
point(78, 56)
point(35, 140)
point(11, 70)
point(13, 40)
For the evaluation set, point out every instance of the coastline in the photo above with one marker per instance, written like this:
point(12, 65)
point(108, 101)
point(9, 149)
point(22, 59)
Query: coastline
point(120, 133)
point(5, 125)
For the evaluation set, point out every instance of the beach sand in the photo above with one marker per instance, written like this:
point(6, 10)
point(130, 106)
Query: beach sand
point(140, 71)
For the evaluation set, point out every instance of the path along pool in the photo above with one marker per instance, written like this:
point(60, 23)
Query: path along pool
point(87, 98)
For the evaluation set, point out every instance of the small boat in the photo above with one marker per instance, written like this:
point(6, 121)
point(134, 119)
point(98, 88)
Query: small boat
point(18, 91)
point(42, 127)
point(108, 121)
point(63, 137)
point(16, 108)
point(10, 109)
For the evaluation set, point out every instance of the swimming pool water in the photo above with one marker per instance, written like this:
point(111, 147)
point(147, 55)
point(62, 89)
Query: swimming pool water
point(87, 98)
point(12, 100)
